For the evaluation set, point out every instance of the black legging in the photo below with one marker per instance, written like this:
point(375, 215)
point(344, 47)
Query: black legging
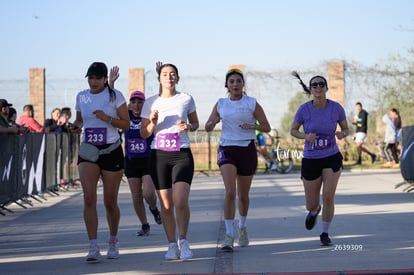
point(393, 148)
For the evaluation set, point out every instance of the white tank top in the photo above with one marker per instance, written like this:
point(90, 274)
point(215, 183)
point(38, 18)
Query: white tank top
point(234, 113)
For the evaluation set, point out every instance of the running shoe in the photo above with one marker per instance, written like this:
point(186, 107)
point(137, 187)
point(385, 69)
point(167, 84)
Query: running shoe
point(185, 251)
point(325, 239)
point(113, 250)
point(145, 230)
point(93, 254)
point(373, 158)
point(227, 244)
point(387, 164)
point(173, 252)
point(311, 219)
point(243, 239)
point(157, 215)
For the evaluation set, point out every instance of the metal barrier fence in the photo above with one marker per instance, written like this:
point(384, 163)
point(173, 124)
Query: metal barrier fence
point(35, 163)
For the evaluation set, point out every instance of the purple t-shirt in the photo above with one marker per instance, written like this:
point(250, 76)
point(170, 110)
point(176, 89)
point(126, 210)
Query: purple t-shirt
point(135, 145)
point(322, 122)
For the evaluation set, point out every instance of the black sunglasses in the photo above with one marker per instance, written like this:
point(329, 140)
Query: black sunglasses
point(316, 84)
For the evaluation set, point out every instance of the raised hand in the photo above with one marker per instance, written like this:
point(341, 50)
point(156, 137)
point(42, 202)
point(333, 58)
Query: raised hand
point(158, 66)
point(113, 76)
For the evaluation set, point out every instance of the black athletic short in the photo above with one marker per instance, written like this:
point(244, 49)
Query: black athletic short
point(136, 167)
point(114, 161)
point(312, 168)
point(167, 168)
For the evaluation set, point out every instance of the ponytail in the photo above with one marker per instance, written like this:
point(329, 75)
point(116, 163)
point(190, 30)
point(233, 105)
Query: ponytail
point(306, 90)
point(112, 95)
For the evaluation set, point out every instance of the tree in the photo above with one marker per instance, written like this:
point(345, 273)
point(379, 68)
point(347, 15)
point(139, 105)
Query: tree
point(400, 94)
point(293, 105)
point(393, 83)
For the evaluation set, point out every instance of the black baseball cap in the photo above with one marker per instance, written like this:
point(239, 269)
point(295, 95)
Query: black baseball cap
point(4, 103)
point(98, 69)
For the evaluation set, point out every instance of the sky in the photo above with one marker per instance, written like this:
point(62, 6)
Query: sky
point(201, 37)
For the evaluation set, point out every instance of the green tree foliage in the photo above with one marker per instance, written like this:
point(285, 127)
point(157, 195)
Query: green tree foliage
point(400, 94)
point(392, 81)
point(293, 105)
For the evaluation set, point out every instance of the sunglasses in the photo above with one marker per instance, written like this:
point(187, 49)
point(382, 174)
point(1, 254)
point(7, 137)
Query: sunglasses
point(318, 84)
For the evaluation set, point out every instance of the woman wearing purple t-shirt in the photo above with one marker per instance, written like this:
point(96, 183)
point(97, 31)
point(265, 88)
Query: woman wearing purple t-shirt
point(322, 161)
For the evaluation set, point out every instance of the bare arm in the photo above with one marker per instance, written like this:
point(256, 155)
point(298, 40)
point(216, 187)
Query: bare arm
point(13, 130)
point(192, 124)
point(260, 116)
point(121, 122)
point(148, 125)
point(294, 131)
point(344, 130)
point(212, 120)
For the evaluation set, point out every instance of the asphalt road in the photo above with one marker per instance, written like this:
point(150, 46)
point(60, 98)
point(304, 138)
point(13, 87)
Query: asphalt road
point(372, 232)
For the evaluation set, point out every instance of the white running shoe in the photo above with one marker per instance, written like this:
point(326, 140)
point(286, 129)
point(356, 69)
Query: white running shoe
point(173, 252)
point(185, 251)
point(93, 254)
point(113, 250)
point(243, 239)
point(227, 244)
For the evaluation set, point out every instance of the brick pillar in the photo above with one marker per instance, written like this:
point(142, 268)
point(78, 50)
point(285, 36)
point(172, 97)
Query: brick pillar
point(136, 80)
point(37, 93)
point(336, 81)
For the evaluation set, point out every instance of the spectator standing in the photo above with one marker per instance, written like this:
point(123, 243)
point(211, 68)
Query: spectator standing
point(5, 127)
point(66, 115)
point(54, 123)
point(361, 123)
point(237, 157)
point(390, 138)
point(398, 126)
point(27, 120)
point(12, 116)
